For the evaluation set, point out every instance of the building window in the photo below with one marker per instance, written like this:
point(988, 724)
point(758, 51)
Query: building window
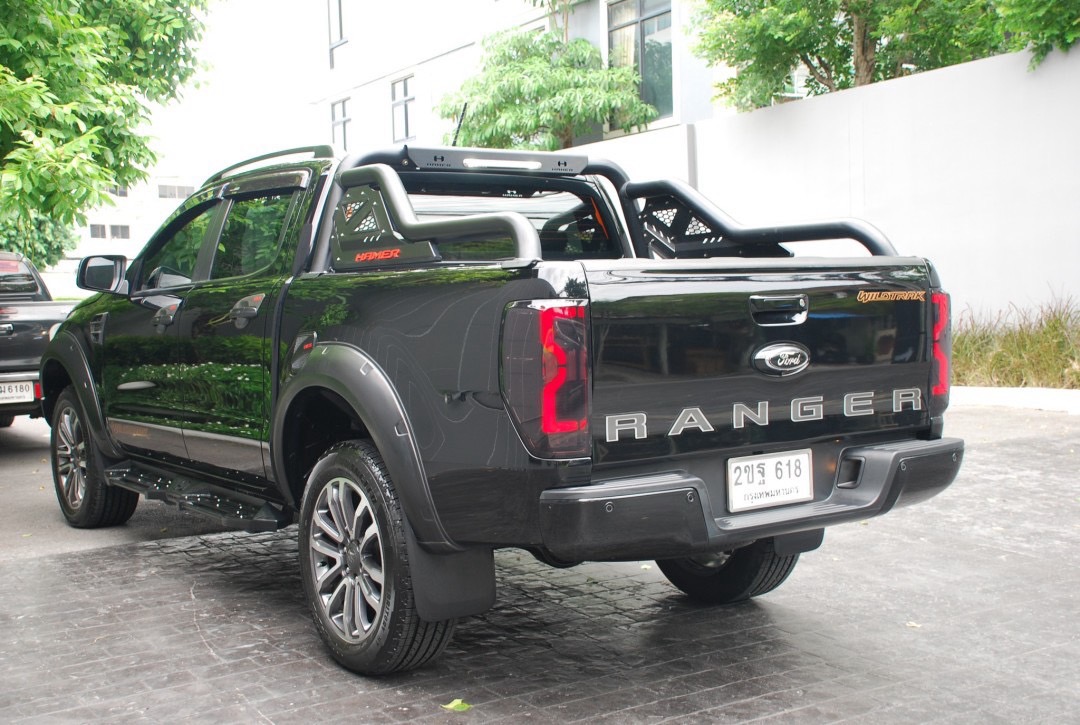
point(339, 123)
point(172, 191)
point(639, 34)
point(401, 98)
point(97, 231)
point(337, 29)
point(118, 190)
point(119, 231)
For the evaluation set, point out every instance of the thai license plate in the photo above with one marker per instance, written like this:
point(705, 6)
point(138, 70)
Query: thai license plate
point(21, 392)
point(771, 479)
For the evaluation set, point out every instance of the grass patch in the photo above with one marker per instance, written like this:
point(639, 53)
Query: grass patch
point(1020, 348)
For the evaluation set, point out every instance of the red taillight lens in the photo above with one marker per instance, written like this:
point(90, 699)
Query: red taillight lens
point(545, 375)
point(37, 391)
point(941, 348)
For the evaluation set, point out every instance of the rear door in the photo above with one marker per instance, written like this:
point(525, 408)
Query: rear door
point(225, 326)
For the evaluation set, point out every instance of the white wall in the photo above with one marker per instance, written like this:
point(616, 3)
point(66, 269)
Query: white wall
point(976, 166)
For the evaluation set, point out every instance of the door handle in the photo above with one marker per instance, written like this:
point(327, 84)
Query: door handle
point(246, 309)
point(165, 315)
point(777, 310)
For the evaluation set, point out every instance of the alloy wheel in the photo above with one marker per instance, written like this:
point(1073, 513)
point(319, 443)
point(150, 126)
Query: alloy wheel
point(71, 457)
point(345, 546)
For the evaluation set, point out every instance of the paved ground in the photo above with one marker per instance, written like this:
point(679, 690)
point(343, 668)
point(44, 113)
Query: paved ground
point(964, 609)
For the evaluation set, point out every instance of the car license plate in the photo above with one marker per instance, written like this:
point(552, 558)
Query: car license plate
point(771, 479)
point(21, 392)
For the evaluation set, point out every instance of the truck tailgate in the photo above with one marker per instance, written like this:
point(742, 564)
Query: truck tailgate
point(753, 356)
point(24, 331)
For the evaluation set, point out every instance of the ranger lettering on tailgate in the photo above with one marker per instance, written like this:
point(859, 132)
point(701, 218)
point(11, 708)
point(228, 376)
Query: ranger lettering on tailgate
point(799, 410)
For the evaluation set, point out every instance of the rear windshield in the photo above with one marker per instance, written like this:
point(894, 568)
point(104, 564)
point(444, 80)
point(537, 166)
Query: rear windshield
point(568, 215)
point(15, 277)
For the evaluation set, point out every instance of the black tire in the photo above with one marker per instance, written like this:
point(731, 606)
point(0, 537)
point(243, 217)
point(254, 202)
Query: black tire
point(86, 500)
point(355, 566)
point(732, 576)
point(6, 421)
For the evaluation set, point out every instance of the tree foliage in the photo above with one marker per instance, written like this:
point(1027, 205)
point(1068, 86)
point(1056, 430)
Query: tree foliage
point(76, 78)
point(535, 90)
point(846, 43)
point(1041, 25)
point(38, 237)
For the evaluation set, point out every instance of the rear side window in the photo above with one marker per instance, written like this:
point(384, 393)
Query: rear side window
point(251, 234)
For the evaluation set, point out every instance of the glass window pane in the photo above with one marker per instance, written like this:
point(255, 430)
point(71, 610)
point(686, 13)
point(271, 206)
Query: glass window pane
point(250, 237)
point(648, 7)
point(401, 122)
point(172, 262)
point(622, 12)
point(656, 66)
point(622, 46)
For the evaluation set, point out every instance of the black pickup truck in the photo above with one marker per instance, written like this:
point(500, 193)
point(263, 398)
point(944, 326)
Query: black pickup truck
point(424, 355)
point(27, 314)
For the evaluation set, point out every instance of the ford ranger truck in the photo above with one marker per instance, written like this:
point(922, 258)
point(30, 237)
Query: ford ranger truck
point(27, 314)
point(424, 355)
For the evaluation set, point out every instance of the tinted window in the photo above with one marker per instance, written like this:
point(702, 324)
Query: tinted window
point(15, 276)
point(172, 263)
point(570, 225)
point(249, 239)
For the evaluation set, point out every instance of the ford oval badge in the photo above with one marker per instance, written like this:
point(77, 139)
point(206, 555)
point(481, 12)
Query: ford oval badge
point(781, 359)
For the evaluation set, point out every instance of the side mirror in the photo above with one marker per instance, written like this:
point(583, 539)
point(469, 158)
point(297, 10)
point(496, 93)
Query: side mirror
point(104, 273)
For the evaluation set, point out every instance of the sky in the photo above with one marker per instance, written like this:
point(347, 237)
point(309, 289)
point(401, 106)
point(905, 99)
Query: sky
point(255, 96)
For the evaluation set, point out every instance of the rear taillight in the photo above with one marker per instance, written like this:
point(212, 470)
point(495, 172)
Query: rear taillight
point(940, 353)
point(545, 375)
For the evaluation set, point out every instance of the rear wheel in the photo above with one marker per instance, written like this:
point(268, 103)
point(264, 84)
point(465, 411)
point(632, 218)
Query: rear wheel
point(78, 476)
point(6, 420)
point(355, 566)
point(730, 576)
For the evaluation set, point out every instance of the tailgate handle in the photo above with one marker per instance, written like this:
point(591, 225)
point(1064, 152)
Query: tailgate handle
point(777, 310)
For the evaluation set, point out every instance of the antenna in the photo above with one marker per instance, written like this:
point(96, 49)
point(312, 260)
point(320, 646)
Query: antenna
point(461, 119)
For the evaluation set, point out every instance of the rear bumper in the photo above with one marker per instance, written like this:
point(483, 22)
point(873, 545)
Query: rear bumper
point(676, 514)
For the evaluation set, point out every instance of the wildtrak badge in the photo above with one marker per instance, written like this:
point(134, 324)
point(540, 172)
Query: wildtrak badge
point(800, 410)
point(892, 296)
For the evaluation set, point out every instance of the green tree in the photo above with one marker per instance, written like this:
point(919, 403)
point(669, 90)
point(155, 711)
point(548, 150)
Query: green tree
point(846, 43)
point(1041, 25)
point(535, 90)
point(560, 11)
point(38, 237)
point(76, 81)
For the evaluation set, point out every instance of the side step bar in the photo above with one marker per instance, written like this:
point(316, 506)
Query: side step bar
point(199, 496)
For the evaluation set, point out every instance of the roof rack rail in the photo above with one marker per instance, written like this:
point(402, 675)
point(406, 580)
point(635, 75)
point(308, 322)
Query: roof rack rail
point(457, 158)
point(319, 152)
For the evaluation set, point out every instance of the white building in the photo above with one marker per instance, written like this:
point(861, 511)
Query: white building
point(387, 66)
point(360, 75)
point(967, 164)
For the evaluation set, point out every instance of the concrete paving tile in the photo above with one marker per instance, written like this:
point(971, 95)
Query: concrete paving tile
point(926, 615)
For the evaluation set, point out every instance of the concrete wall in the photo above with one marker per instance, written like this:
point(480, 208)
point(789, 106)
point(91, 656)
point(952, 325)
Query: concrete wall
point(976, 166)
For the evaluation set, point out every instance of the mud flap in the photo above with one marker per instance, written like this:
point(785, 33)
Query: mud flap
point(447, 586)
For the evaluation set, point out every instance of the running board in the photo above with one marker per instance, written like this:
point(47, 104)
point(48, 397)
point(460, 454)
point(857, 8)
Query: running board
point(198, 496)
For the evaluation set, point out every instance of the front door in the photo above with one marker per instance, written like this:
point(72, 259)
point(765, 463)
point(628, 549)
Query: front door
point(138, 334)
